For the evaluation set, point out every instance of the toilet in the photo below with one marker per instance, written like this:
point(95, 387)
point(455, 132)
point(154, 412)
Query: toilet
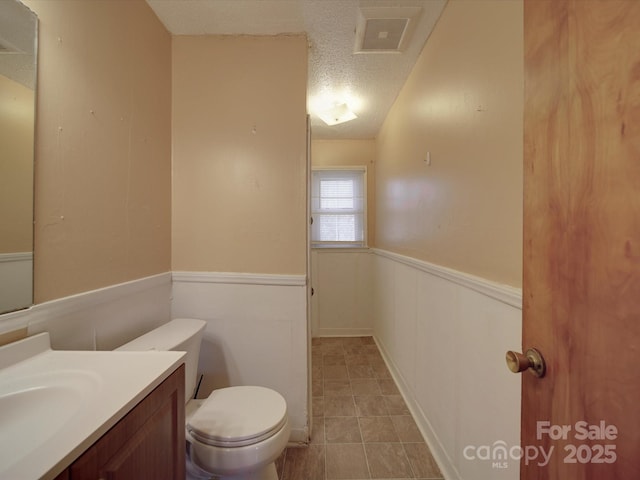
point(236, 433)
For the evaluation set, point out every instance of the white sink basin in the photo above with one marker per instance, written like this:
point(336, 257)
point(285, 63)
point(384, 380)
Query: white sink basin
point(36, 407)
point(55, 404)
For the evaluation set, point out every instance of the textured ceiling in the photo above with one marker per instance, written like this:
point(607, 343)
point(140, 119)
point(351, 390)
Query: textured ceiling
point(368, 83)
point(17, 35)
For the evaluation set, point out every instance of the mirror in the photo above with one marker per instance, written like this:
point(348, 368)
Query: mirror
point(18, 43)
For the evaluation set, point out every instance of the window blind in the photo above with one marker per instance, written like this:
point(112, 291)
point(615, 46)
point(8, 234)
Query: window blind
point(338, 201)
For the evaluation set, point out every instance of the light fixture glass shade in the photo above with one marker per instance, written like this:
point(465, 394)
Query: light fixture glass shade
point(337, 114)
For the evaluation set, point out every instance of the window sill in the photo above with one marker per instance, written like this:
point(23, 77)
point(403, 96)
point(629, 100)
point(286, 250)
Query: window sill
point(339, 248)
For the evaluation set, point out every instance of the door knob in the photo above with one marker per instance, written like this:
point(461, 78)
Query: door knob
point(532, 360)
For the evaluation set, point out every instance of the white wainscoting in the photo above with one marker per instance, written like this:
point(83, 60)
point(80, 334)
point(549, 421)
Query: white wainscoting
point(444, 335)
point(256, 334)
point(16, 279)
point(341, 305)
point(99, 319)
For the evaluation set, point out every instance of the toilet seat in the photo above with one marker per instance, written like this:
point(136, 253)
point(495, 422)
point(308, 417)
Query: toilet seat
point(238, 416)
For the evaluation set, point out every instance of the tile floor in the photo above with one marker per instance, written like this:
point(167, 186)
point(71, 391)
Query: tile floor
point(362, 428)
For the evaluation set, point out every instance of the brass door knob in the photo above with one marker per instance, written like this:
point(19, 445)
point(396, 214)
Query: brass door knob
point(532, 360)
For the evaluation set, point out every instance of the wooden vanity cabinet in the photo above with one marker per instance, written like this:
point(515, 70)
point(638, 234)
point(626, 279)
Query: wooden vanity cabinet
point(147, 443)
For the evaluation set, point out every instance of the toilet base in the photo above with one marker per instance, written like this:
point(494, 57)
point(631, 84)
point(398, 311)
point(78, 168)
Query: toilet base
point(267, 473)
point(196, 473)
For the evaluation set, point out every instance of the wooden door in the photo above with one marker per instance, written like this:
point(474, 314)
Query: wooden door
point(581, 291)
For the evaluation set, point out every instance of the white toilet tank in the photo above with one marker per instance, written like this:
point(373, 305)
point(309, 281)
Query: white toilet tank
point(181, 334)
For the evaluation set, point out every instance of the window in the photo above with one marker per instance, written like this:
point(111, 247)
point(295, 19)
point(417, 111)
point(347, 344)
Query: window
point(338, 208)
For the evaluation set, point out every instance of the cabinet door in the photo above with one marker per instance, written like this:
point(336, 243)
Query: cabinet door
point(147, 443)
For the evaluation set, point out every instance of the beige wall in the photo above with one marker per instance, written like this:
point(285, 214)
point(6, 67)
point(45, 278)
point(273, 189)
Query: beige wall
point(103, 145)
point(463, 103)
point(348, 153)
point(16, 167)
point(239, 154)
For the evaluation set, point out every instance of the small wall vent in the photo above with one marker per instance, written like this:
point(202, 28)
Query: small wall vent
point(385, 29)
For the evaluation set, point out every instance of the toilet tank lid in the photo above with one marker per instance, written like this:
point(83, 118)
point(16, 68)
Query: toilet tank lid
point(167, 336)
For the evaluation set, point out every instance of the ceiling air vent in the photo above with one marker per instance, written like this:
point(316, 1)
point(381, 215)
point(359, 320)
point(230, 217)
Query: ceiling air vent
point(385, 29)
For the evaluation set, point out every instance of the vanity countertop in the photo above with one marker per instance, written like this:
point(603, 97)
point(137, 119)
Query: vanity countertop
point(55, 404)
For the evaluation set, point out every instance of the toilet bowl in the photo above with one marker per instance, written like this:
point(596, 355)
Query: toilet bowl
point(236, 433)
point(236, 424)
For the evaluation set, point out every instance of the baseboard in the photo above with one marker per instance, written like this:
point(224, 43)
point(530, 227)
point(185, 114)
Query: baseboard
point(299, 437)
point(345, 332)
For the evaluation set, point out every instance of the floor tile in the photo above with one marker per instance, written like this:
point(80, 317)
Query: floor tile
point(317, 406)
point(337, 387)
point(338, 372)
point(361, 426)
point(333, 359)
point(406, 428)
point(395, 405)
point(354, 349)
point(360, 371)
point(307, 463)
point(387, 460)
point(342, 430)
point(280, 463)
point(365, 386)
point(332, 350)
point(317, 430)
point(352, 341)
point(317, 388)
point(370, 405)
point(372, 349)
point(380, 370)
point(388, 386)
point(339, 406)
point(356, 359)
point(346, 462)
point(421, 460)
point(377, 429)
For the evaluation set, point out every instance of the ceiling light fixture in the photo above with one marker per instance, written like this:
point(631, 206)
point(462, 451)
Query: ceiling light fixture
point(339, 113)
